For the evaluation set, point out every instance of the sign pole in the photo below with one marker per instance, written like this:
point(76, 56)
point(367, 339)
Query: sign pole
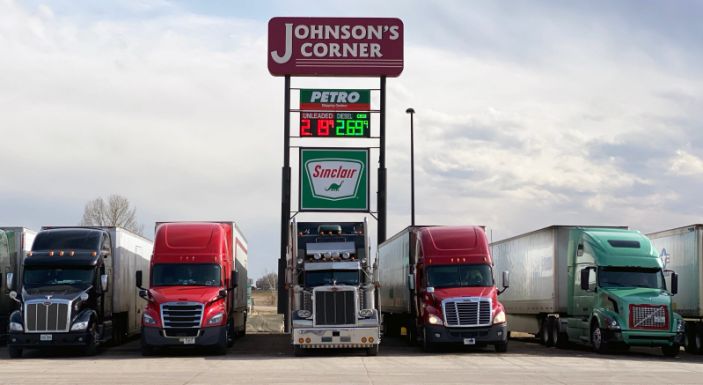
point(382, 166)
point(285, 207)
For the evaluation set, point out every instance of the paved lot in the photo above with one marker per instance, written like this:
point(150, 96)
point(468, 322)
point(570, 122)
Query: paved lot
point(262, 358)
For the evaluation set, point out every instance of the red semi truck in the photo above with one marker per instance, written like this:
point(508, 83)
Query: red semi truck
point(437, 286)
point(197, 286)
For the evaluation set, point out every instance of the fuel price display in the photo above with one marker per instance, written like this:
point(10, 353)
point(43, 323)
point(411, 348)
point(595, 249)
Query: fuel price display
point(335, 124)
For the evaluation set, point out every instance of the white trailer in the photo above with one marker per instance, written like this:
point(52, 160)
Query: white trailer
point(19, 241)
point(681, 250)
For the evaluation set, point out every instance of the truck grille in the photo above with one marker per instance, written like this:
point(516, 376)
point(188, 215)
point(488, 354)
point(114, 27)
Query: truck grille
point(649, 317)
point(50, 316)
point(335, 307)
point(182, 314)
point(467, 311)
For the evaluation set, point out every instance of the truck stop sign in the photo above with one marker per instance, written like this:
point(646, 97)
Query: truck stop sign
point(317, 46)
point(334, 179)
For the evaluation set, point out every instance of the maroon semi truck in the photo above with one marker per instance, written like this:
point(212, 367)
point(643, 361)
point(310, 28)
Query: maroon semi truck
point(438, 287)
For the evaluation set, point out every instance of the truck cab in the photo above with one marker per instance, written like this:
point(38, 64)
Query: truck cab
point(332, 283)
point(63, 294)
point(456, 300)
point(620, 296)
point(194, 297)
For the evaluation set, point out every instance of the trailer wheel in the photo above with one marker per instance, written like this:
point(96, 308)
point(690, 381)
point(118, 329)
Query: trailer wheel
point(372, 351)
point(554, 330)
point(14, 351)
point(545, 337)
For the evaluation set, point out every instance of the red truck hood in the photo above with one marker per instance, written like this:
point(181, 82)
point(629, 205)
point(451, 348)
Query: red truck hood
point(201, 294)
point(453, 292)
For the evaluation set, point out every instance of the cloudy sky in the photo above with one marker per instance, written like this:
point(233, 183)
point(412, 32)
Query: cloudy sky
point(528, 113)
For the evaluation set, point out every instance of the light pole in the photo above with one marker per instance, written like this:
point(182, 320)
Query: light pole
point(411, 111)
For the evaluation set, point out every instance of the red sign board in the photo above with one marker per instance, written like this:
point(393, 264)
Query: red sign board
point(317, 46)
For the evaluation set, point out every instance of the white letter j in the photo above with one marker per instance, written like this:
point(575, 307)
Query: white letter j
point(289, 47)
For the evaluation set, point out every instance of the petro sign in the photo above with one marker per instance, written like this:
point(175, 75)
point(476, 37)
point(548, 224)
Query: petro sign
point(334, 179)
point(317, 46)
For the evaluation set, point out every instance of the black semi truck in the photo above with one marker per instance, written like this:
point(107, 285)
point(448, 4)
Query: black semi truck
point(78, 289)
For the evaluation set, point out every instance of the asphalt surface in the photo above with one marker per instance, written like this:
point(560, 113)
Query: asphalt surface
point(268, 359)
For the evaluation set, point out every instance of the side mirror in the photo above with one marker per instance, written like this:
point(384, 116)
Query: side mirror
point(139, 279)
point(144, 294)
point(506, 279)
point(9, 281)
point(13, 296)
point(103, 282)
point(411, 281)
point(430, 290)
point(674, 283)
point(235, 279)
point(585, 275)
point(223, 293)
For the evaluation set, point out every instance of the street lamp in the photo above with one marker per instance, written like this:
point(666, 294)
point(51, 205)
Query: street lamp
point(411, 111)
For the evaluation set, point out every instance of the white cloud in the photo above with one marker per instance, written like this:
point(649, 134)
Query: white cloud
point(686, 164)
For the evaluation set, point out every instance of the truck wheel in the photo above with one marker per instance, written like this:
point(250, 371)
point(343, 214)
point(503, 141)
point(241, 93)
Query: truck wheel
point(229, 334)
point(671, 351)
point(545, 336)
point(14, 352)
point(427, 345)
point(689, 341)
point(554, 330)
point(598, 342)
point(501, 347)
point(221, 347)
point(698, 338)
point(372, 351)
point(298, 351)
point(92, 348)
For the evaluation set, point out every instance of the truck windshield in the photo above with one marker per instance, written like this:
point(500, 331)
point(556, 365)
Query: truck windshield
point(181, 274)
point(459, 276)
point(35, 278)
point(631, 277)
point(67, 240)
point(329, 277)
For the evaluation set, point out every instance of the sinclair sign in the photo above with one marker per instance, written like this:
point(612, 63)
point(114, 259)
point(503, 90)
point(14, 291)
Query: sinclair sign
point(334, 179)
point(317, 46)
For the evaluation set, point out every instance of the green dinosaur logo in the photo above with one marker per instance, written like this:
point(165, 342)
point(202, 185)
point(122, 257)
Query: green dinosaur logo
point(334, 186)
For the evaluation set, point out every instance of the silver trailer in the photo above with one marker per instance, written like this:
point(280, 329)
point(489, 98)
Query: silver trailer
point(18, 242)
point(538, 264)
point(681, 250)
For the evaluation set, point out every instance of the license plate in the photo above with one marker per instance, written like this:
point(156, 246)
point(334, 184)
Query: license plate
point(46, 337)
point(187, 340)
point(469, 341)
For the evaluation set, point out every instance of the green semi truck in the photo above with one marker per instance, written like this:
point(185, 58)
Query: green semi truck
point(603, 287)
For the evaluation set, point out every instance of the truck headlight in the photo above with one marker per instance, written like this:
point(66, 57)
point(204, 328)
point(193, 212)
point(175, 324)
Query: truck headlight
point(16, 327)
point(680, 326)
point(365, 313)
point(79, 326)
point(148, 320)
point(434, 320)
point(611, 323)
point(216, 319)
point(305, 314)
point(499, 318)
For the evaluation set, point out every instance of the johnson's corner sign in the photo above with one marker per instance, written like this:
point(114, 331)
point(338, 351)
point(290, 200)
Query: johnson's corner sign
point(317, 46)
point(334, 179)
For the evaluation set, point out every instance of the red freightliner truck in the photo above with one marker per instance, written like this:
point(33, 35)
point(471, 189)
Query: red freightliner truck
point(438, 286)
point(197, 286)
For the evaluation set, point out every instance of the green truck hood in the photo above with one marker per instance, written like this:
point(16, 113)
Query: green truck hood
point(638, 295)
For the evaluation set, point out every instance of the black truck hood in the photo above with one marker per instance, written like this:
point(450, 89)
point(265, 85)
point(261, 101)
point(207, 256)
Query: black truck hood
point(69, 294)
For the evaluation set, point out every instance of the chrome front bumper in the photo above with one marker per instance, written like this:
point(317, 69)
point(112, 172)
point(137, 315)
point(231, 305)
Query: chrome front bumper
point(364, 337)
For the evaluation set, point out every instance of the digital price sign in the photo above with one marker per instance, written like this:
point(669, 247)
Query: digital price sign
point(335, 124)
